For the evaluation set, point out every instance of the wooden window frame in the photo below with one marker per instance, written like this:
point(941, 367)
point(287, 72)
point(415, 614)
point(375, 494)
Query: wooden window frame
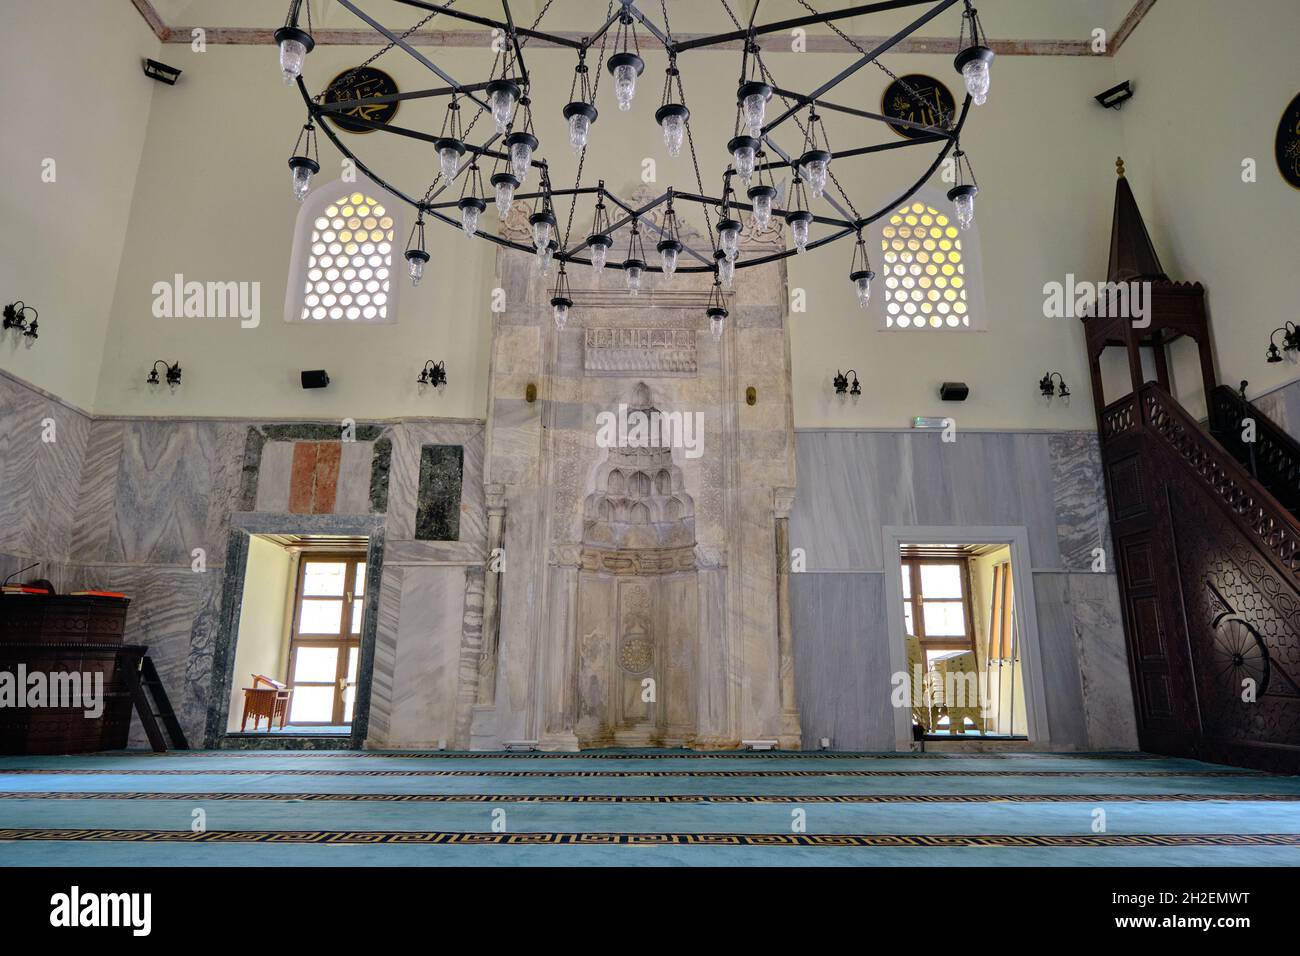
point(344, 640)
point(917, 599)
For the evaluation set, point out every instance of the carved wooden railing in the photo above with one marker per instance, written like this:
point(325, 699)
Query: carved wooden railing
point(1274, 528)
point(1119, 417)
point(1275, 456)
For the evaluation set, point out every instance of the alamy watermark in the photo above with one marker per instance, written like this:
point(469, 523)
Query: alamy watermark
point(641, 428)
point(1073, 299)
point(61, 689)
point(179, 299)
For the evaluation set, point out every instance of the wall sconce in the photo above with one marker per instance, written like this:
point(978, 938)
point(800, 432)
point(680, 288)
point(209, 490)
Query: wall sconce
point(1047, 385)
point(841, 383)
point(530, 393)
point(434, 374)
point(1290, 340)
point(173, 373)
point(15, 317)
point(161, 72)
point(751, 396)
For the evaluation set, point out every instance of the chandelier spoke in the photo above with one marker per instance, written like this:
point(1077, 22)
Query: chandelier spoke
point(868, 58)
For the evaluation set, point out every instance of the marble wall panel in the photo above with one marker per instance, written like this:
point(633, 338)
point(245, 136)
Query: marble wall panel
point(42, 451)
point(1082, 521)
point(1062, 688)
point(881, 479)
point(172, 491)
point(426, 666)
point(842, 667)
point(1103, 661)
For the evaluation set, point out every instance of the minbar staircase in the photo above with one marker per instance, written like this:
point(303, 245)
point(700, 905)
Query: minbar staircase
point(1206, 536)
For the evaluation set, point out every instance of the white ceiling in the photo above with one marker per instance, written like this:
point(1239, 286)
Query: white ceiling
point(1004, 19)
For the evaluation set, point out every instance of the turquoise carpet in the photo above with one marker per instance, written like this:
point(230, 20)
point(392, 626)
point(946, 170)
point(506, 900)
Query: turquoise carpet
point(641, 808)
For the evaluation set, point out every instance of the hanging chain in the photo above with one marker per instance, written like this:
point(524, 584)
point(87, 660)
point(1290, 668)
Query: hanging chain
point(428, 193)
point(582, 157)
point(343, 80)
point(911, 91)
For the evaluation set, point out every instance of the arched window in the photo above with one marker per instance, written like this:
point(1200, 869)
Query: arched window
point(930, 271)
point(343, 253)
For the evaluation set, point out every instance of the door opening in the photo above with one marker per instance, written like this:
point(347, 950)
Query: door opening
point(297, 658)
point(963, 646)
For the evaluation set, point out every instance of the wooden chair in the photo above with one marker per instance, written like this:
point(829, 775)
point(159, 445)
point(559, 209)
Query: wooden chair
point(267, 698)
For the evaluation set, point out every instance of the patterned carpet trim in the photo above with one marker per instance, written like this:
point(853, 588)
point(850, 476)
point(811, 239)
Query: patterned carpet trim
point(439, 837)
point(326, 772)
point(866, 798)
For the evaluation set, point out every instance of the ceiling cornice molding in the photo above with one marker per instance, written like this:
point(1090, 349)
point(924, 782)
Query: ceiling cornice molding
point(257, 36)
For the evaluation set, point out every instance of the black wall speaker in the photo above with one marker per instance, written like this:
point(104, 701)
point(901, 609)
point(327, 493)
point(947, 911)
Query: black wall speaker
point(318, 378)
point(954, 391)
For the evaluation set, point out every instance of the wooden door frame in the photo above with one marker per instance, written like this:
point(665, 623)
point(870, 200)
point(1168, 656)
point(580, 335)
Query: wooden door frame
point(343, 640)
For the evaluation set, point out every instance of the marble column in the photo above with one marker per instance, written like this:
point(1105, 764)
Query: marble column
point(487, 663)
point(789, 735)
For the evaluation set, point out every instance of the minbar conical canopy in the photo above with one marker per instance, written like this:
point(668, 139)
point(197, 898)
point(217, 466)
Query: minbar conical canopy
point(1132, 256)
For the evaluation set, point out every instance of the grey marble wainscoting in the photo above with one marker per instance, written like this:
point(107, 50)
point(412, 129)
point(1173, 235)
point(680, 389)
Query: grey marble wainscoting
point(842, 669)
point(852, 484)
point(1058, 650)
point(426, 656)
point(1103, 661)
point(42, 451)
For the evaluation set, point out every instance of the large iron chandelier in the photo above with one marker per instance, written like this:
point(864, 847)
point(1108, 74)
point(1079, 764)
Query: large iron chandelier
point(512, 146)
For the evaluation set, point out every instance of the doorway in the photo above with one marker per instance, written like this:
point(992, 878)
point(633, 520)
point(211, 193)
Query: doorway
point(963, 636)
point(961, 631)
point(299, 643)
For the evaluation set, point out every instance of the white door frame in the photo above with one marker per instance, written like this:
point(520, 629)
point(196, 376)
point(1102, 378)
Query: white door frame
point(1026, 615)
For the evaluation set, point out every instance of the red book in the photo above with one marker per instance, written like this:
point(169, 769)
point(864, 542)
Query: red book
point(107, 594)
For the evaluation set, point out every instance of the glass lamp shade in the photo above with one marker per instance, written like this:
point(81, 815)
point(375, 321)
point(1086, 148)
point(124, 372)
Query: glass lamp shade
point(669, 250)
point(417, 259)
point(294, 46)
point(545, 256)
point(729, 237)
point(753, 97)
point(560, 311)
point(762, 197)
point(717, 319)
point(580, 116)
point(973, 64)
point(505, 185)
point(633, 269)
point(816, 164)
point(726, 268)
point(449, 153)
point(471, 207)
point(303, 170)
point(521, 146)
point(799, 222)
point(502, 96)
point(743, 150)
point(862, 285)
point(543, 224)
point(672, 118)
point(963, 200)
point(598, 245)
point(625, 67)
